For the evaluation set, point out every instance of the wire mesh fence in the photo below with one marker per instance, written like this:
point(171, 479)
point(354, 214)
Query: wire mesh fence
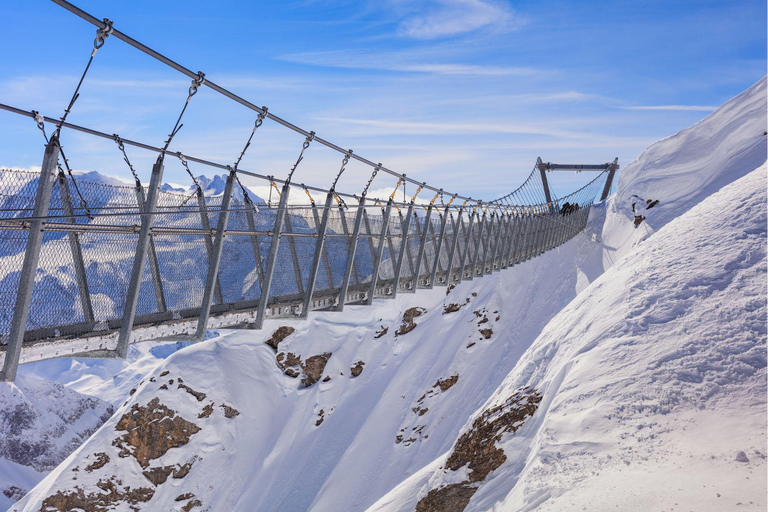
point(92, 230)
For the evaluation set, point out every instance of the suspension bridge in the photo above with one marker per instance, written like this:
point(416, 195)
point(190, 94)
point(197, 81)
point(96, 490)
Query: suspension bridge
point(87, 268)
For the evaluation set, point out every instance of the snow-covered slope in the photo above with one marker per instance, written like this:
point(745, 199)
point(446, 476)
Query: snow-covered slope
point(274, 455)
point(41, 423)
point(648, 391)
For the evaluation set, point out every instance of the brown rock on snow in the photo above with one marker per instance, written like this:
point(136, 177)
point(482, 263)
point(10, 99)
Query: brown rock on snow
point(279, 335)
point(408, 324)
point(357, 369)
point(477, 450)
point(101, 461)
point(151, 431)
point(382, 332)
point(313, 368)
point(446, 384)
point(450, 498)
point(113, 494)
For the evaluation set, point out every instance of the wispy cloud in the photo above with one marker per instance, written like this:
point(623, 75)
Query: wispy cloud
point(409, 62)
point(413, 127)
point(436, 19)
point(696, 108)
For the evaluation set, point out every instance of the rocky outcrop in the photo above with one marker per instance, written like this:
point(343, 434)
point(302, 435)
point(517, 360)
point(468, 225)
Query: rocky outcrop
point(279, 335)
point(112, 494)
point(476, 449)
point(408, 324)
point(152, 430)
point(357, 369)
point(310, 370)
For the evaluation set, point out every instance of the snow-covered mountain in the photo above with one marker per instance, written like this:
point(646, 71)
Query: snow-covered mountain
point(382, 407)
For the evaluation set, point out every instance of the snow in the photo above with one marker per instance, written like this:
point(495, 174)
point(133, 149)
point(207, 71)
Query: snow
point(654, 379)
point(670, 333)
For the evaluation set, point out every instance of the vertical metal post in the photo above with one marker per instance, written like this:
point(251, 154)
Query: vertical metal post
point(154, 268)
point(351, 254)
point(254, 241)
point(488, 247)
point(294, 255)
point(316, 258)
point(345, 228)
point(409, 258)
point(500, 238)
point(142, 248)
point(214, 262)
point(438, 248)
point(326, 263)
point(272, 257)
point(31, 259)
point(403, 245)
point(422, 246)
point(477, 248)
point(543, 170)
point(506, 254)
point(392, 257)
point(467, 240)
point(206, 223)
point(379, 253)
point(609, 179)
point(77, 252)
point(454, 245)
point(371, 246)
point(522, 238)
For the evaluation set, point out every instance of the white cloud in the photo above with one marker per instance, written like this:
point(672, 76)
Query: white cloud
point(436, 19)
point(409, 62)
point(703, 108)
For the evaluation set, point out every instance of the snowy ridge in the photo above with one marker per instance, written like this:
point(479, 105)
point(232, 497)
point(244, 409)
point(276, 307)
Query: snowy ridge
point(673, 354)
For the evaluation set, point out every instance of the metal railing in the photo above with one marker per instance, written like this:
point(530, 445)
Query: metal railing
point(88, 268)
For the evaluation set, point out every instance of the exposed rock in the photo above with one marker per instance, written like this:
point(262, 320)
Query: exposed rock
point(101, 461)
point(14, 493)
point(408, 324)
point(446, 384)
point(486, 333)
point(292, 373)
point(230, 412)
point(741, 457)
point(322, 417)
point(113, 494)
point(452, 308)
point(382, 332)
point(313, 368)
point(451, 498)
point(131, 392)
point(166, 372)
point(476, 447)
point(151, 431)
point(197, 394)
point(450, 288)
point(184, 497)
point(207, 411)
point(357, 369)
point(158, 476)
point(279, 335)
point(327, 378)
point(192, 504)
point(183, 470)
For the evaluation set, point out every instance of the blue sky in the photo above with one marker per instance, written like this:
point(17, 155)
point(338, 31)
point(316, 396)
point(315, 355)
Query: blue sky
point(463, 94)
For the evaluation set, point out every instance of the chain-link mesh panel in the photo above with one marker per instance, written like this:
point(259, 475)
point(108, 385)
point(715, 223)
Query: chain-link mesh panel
point(183, 264)
point(336, 249)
